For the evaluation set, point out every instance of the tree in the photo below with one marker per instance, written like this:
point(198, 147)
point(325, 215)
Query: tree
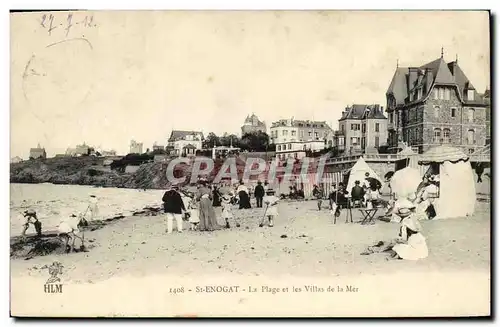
point(159, 151)
point(212, 140)
point(255, 141)
point(229, 139)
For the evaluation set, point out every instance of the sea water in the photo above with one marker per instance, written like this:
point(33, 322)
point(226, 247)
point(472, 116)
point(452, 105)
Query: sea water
point(53, 203)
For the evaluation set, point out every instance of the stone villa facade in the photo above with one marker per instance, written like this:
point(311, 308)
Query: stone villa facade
point(362, 129)
point(435, 104)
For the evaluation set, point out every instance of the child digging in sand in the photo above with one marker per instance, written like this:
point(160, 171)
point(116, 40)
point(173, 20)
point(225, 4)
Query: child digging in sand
point(271, 212)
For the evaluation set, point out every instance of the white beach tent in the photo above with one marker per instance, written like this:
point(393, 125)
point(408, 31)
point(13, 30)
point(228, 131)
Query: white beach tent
point(457, 193)
point(357, 173)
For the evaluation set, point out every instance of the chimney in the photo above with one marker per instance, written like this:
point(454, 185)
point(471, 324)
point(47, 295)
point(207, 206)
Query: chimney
point(413, 72)
point(429, 78)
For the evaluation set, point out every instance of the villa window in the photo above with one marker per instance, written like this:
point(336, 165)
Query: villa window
point(293, 133)
point(470, 137)
point(363, 128)
point(279, 147)
point(377, 140)
point(377, 127)
point(316, 135)
point(446, 135)
point(453, 112)
point(436, 93)
point(441, 93)
point(471, 115)
point(447, 94)
point(470, 95)
point(289, 146)
point(437, 135)
point(436, 111)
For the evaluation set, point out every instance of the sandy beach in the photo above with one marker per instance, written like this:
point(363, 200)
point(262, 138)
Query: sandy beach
point(304, 245)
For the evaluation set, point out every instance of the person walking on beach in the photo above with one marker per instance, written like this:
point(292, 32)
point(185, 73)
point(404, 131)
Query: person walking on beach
point(31, 218)
point(318, 193)
point(208, 221)
point(244, 196)
point(173, 206)
point(216, 196)
point(93, 208)
point(271, 210)
point(259, 194)
point(479, 172)
point(227, 210)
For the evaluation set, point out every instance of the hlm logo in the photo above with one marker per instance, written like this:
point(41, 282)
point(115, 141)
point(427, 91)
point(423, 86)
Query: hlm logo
point(53, 284)
point(52, 288)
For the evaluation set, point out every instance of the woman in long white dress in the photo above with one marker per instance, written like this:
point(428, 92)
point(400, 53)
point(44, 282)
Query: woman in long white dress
point(411, 244)
point(415, 247)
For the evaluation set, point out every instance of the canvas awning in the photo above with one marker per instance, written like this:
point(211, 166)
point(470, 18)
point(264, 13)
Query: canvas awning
point(441, 154)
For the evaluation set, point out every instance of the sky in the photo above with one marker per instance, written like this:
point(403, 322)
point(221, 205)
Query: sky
point(114, 76)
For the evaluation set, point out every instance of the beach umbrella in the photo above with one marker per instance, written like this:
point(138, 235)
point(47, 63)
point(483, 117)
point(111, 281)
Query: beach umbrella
point(389, 175)
point(405, 182)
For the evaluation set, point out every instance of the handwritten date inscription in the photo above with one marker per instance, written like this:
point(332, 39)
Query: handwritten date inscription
point(50, 23)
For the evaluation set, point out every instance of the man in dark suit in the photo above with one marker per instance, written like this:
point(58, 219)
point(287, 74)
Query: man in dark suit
point(357, 192)
point(173, 206)
point(259, 194)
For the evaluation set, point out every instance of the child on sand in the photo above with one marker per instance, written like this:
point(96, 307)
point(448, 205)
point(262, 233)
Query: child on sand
point(227, 209)
point(194, 215)
point(271, 212)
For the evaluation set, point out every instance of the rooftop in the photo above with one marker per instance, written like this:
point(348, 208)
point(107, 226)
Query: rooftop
point(181, 135)
point(407, 80)
point(363, 111)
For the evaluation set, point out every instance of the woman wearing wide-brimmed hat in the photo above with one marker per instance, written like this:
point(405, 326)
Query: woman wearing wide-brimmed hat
point(414, 245)
point(411, 244)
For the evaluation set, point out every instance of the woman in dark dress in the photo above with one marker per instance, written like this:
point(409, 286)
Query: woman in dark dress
point(216, 196)
point(244, 196)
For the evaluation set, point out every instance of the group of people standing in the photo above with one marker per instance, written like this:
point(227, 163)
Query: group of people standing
point(367, 194)
point(199, 206)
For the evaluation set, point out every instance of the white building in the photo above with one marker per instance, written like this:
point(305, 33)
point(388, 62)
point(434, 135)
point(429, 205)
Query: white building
point(297, 149)
point(135, 147)
point(110, 153)
point(291, 130)
point(16, 159)
point(185, 143)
